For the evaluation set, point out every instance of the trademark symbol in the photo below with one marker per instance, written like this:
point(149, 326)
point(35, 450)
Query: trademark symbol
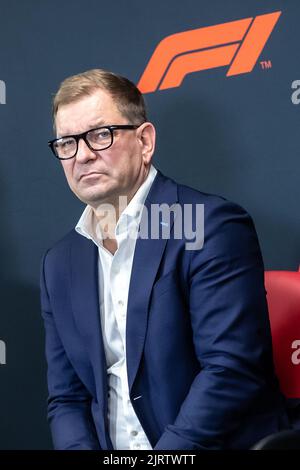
point(266, 64)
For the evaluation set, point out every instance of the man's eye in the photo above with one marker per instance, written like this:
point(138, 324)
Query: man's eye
point(103, 134)
point(64, 143)
point(99, 135)
point(68, 142)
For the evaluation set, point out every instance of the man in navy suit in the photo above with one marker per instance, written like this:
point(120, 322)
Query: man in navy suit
point(154, 339)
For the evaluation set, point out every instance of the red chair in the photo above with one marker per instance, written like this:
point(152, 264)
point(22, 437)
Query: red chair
point(283, 295)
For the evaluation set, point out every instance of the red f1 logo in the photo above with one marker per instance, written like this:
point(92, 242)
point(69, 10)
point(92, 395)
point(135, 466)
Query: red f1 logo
point(237, 43)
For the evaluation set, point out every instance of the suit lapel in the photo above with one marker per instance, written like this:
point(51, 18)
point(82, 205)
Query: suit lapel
point(147, 257)
point(85, 303)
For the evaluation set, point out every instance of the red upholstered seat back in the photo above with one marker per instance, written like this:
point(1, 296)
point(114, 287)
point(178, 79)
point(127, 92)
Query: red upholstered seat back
point(283, 294)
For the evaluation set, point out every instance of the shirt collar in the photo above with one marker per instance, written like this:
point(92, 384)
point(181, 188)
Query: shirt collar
point(133, 209)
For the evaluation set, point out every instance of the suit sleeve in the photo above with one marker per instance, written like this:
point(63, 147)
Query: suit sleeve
point(69, 402)
point(231, 333)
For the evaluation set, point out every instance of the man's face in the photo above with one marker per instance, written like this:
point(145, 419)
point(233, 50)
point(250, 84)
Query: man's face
point(102, 176)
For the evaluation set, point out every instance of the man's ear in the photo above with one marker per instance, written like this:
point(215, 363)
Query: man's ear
point(147, 137)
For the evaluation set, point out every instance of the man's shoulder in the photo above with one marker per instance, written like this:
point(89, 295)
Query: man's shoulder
point(224, 221)
point(62, 246)
point(229, 229)
point(212, 202)
point(190, 194)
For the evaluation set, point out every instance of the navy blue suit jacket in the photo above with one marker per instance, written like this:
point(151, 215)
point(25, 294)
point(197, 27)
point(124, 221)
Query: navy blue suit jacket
point(199, 353)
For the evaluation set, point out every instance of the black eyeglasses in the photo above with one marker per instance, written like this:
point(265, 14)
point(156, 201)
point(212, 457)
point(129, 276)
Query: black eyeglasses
point(100, 138)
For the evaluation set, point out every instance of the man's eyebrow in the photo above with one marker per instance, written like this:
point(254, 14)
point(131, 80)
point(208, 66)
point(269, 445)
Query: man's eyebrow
point(93, 125)
point(99, 122)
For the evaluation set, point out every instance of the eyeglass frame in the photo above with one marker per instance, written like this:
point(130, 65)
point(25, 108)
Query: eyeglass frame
point(83, 135)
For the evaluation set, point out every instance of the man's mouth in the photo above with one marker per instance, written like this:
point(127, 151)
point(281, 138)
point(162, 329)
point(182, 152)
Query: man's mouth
point(90, 174)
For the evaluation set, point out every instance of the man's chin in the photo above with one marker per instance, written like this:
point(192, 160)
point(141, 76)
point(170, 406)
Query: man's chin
point(96, 197)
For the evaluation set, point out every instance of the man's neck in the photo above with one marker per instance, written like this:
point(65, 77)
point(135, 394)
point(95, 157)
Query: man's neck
point(107, 214)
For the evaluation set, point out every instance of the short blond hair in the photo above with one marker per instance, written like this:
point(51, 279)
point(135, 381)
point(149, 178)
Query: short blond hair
point(126, 95)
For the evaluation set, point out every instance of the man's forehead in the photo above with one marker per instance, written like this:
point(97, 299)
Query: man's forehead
point(99, 101)
point(76, 127)
point(86, 113)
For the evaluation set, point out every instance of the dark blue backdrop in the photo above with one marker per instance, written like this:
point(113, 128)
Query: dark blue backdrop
point(243, 144)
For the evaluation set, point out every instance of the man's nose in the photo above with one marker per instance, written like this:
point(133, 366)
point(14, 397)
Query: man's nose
point(84, 153)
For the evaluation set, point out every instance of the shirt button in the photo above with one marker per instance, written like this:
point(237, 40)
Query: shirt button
point(137, 446)
point(134, 433)
point(121, 303)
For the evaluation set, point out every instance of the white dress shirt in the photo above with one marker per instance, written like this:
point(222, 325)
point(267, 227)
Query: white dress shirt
point(125, 430)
